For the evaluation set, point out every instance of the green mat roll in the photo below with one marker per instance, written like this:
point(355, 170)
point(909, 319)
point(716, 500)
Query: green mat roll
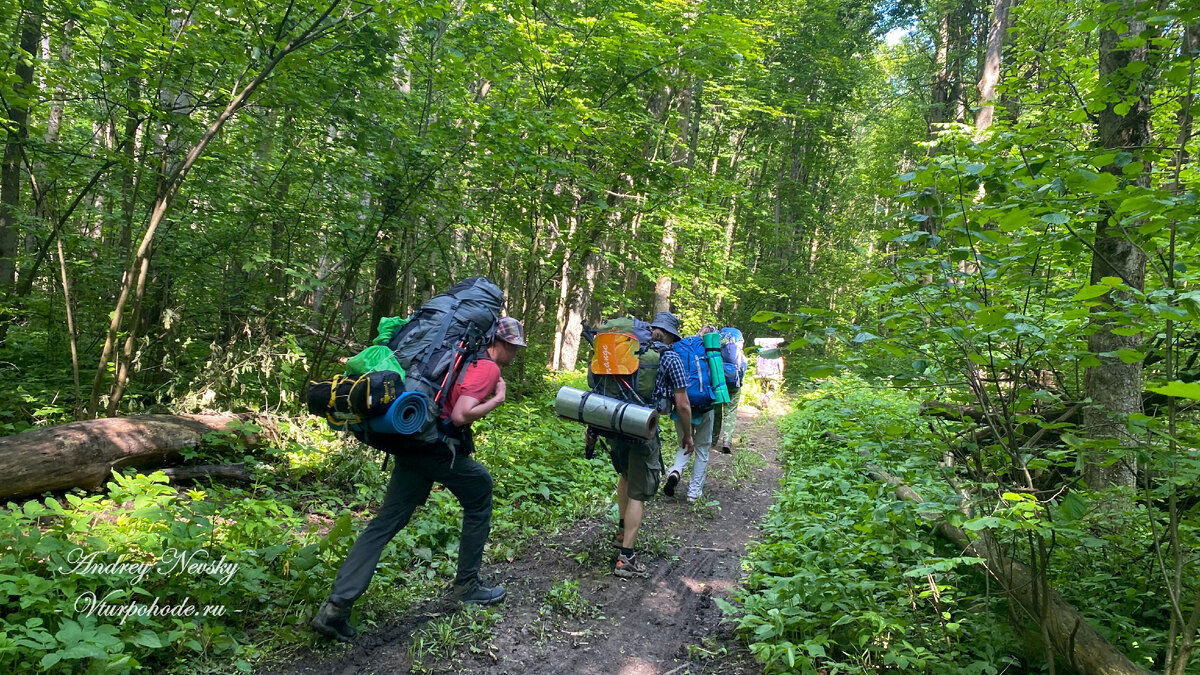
point(716, 367)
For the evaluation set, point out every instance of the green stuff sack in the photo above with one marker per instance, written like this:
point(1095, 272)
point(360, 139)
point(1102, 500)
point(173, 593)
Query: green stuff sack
point(373, 359)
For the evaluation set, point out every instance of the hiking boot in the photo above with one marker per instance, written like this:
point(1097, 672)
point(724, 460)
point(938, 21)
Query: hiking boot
point(672, 481)
point(726, 450)
point(333, 621)
point(478, 593)
point(629, 567)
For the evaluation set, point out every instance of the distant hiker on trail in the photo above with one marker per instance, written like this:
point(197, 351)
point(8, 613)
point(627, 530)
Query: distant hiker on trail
point(697, 428)
point(733, 354)
point(418, 466)
point(768, 366)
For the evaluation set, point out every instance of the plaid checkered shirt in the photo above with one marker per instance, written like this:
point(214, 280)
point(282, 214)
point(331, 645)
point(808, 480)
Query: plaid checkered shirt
point(671, 376)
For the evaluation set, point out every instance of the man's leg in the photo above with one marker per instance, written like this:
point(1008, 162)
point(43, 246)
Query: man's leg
point(702, 434)
point(681, 459)
point(719, 419)
point(633, 521)
point(622, 498)
point(642, 475)
point(407, 490)
point(470, 482)
point(728, 420)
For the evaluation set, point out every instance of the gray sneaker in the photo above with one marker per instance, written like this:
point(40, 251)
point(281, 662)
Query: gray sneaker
point(629, 567)
point(333, 621)
point(476, 592)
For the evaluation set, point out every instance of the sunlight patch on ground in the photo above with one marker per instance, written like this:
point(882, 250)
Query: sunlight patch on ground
point(697, 586)
point(636, 666)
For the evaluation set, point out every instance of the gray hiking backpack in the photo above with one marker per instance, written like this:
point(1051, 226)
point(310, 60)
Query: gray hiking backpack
point(442, 338)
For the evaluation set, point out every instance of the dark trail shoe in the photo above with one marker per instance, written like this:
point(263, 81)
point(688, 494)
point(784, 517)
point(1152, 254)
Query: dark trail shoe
point(725, 450)
point(669, 487)
point(476, 593)
point(629, 567)
point(333, 621)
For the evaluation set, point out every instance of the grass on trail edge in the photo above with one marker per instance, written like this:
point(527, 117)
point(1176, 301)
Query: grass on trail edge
point(848, 579)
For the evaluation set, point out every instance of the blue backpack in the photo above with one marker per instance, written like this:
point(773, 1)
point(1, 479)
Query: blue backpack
point(699, 379)
point(733, 347)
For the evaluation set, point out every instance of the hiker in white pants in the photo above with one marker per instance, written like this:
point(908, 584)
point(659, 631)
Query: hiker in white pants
point(702, 426)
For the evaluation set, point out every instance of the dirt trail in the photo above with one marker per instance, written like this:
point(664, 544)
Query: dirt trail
point(667, 624)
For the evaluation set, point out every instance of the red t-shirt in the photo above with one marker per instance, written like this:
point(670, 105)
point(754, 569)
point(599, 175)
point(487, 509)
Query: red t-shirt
point(479, 383)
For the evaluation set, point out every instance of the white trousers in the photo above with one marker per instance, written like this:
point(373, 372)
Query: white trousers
point(702, 428)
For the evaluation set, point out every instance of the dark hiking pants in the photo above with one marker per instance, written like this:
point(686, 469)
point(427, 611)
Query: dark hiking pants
point(412, 479)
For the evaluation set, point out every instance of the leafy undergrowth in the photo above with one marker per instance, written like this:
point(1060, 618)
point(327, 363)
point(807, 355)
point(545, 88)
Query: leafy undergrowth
point(149, 576)
point(849, 579)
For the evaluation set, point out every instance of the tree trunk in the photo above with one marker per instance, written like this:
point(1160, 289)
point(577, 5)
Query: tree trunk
point(940, 96)
point(233, 472)
point(1115, 387)
point(83, 454)
point(997, 32)
point(18, 133)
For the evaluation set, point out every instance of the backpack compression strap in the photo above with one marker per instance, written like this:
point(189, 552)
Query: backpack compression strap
point(615, 420)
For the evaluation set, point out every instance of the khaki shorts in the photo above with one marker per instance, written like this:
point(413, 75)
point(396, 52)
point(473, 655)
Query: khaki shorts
point(640, 462)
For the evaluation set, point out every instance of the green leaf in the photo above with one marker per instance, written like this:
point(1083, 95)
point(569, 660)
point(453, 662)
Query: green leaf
point(1130, 355)
point(147, 638)
point(974, 168)
point(1073, 508)
point(1103, 184)
point(1055, 218)
point(1179, 389)
point(1091, 291)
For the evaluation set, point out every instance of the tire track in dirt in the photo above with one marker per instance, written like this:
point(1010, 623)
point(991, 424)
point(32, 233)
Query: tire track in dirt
point(636, 626)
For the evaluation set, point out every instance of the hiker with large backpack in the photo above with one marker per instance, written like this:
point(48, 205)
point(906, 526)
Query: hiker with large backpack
point(633, 364)
point(733, 346)
point(697, 426)
point(452, 348)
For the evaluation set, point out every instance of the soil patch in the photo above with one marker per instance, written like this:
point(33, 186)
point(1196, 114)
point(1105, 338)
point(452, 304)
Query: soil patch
point(566, 613)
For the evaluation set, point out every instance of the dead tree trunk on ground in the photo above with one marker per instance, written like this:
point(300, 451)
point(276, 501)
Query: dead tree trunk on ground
point(83, 454)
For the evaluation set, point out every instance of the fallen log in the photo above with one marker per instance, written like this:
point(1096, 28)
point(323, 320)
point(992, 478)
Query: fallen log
point(231, 472)
point(83, 454)
point(1071, 637)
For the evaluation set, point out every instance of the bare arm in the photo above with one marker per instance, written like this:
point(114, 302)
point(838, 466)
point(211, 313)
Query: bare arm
point(683, 408)
point(467, 409)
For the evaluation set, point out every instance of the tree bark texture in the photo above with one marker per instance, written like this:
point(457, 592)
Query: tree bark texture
point(1114, 386)
point(17, 107)
point(997, 33)
point(83, 454)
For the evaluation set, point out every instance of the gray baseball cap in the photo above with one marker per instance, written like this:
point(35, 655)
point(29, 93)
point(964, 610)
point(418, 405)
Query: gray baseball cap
point(668, 322)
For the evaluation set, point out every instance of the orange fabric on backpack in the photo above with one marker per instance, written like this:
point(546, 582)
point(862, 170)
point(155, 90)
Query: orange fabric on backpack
point(616, 354)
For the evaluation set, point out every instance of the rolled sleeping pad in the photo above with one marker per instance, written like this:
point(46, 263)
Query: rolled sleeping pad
point(606, 413)
point(407, 415)
point(716, 367)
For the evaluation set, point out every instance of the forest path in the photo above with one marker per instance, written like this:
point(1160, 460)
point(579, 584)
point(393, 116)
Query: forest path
point(566, 613)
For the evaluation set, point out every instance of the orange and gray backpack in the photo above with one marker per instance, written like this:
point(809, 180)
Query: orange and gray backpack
point(624, 361)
